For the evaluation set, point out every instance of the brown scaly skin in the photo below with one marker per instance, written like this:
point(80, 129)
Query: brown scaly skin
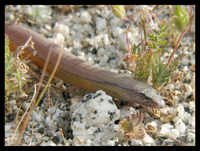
point(81, 74)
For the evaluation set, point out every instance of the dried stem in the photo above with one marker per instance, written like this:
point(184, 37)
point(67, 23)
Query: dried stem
point(175, 48)
point(109, 32)
point(131, 56)
point(181, 36)
point(51, 77)
point(34, 99)
point(61, 131)
point(22, 117)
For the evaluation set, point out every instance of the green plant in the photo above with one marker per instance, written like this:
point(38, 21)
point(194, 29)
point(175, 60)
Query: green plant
point(132, 127)
point(15, 77)
point(147, 57)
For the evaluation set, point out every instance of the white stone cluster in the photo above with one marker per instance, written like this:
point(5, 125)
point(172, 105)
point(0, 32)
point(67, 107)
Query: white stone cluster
point(93, 119)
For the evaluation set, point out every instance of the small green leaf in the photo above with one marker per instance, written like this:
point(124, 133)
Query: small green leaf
point(181, 18)
point(143, 67)
point(161, 75)
point(163, 35)
point(127, 126)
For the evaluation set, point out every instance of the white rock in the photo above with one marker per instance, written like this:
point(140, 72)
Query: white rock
point(59, 39)
point(180, 110)
point(192, 121)
point(153, 123)
point(58, 112)
point(170, 86)
point(38, 136)
point(105, 13)
point(100, 24)
point(126, 111)
point(51, 110)
point(100, 51)
point(106, 40)
point(37, 116)
point(48, 120)
point(173, 133)
point(180, 126)
point(95, 41)
point(116, 31)
point(186, 117)
point(93, 117)
point(185, 60)
point(190, 137)
point(121, 41)
point(109, 143)
point(172, 111)
point(48, 27)
point(10, 134)
point(13, 102)
point(49, 143)
point(165, 128)
point(192, 59)
point(115, 21)
point(77, 44)
point(88, 142)
point(14, 107)
point(185, 68)
point(78, 141)
point(148, 140)
point(89, 29)
point(112, 63)
point(25, 105)
point(103, 60)
point(76, 27)
point(116, 128)
point(62, 29)
point(176, 99)
point(44, 15)
point(85, 17)
point(7, 127)
point(27, 139)
point(192, 106)
point(170, 50)
point(25, 9)
point(54, 117)
point(135, 142)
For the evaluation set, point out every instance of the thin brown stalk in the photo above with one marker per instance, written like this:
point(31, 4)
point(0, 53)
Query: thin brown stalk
point(179, 40)
point(22, 117)
point(110, 36)
point(175, 48)
point(61, 131)
point(154, 16)
point(34, 99)
point(51, 77)
point(39, 140)
point(155, 7)
point(131, 56)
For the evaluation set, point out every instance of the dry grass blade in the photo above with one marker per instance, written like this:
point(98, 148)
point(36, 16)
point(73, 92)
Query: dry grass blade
point(34, 99)
point(34, 103)
point(61, 131)
point(22, 117)
point(51, 77)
